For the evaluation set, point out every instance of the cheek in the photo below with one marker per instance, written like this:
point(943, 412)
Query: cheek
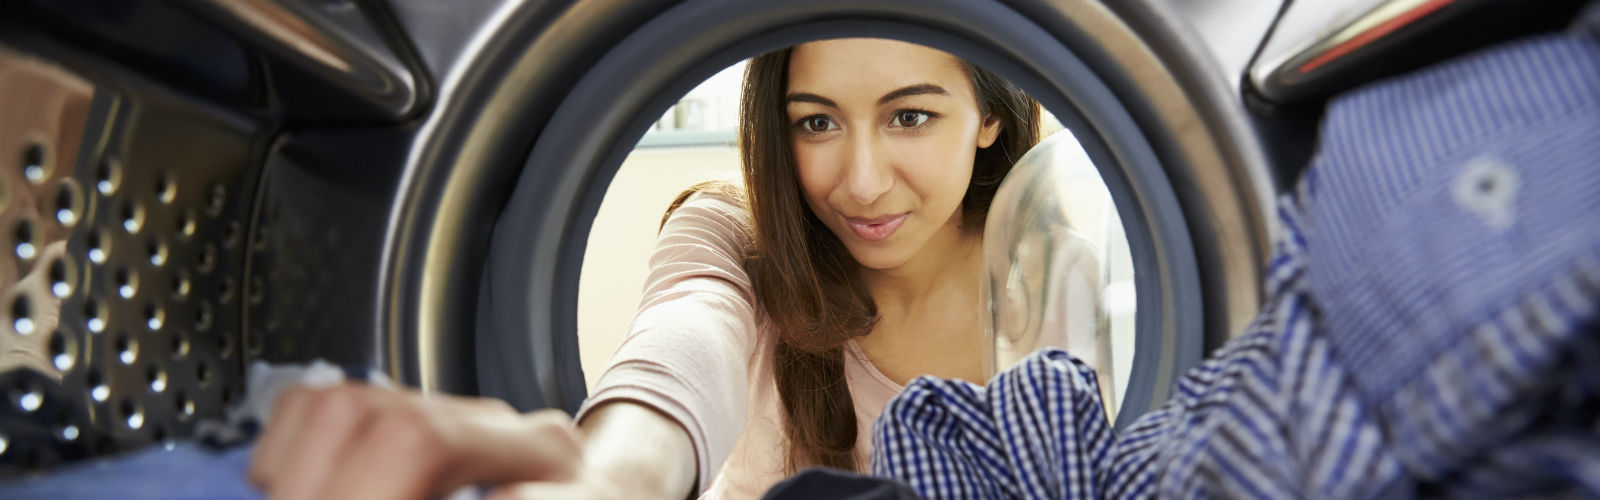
point(938, 170)
point(817, 170)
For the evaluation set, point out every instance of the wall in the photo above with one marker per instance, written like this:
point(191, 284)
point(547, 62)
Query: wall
point(624, 233)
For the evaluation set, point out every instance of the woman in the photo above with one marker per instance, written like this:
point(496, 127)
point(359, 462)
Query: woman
point(775, 324)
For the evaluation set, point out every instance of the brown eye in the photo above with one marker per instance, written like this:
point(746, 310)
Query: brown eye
point(910, 119)
point(817, 124)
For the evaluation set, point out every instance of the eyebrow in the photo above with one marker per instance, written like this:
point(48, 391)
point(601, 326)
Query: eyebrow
point(918, 89)
point(811, 98)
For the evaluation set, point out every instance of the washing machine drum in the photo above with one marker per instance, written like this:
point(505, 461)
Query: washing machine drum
point(409, 185)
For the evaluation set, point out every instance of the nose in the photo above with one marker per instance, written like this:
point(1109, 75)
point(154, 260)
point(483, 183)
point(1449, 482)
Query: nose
point(868, 175)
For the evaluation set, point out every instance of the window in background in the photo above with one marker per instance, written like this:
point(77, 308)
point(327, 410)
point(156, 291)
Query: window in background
point(706, 116)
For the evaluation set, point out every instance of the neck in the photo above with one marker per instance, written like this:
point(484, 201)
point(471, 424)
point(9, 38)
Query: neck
point(950, 262)
point(929, 311)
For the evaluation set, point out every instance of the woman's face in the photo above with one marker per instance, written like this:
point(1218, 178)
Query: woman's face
point(884, 134)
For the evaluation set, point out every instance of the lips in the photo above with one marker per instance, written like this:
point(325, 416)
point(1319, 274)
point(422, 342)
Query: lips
point(878, 228)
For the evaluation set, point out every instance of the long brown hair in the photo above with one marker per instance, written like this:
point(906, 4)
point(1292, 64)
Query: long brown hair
point(807, 282)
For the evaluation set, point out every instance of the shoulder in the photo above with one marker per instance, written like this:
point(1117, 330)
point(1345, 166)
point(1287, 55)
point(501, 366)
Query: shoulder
point(721, 211)
point(721, 197)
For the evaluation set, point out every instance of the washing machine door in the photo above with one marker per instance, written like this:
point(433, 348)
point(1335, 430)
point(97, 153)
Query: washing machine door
point(409, 185)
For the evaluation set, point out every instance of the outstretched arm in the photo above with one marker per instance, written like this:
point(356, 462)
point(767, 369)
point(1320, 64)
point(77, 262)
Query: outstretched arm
point(664, 415)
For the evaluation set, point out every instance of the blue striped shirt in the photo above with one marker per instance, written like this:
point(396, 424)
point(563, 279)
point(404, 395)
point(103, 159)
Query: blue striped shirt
point(1430, 328)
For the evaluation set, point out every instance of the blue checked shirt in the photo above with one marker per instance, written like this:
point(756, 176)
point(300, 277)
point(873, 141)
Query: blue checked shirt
point(1430, 330)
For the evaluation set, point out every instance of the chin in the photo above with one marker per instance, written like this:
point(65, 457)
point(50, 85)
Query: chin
point(878, 258)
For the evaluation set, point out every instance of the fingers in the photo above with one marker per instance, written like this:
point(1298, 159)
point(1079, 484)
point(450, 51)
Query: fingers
point(440, 444)
point(332, 427)
point(354, 441)
point(288, 413)
point(433, 448)
point(402, 454)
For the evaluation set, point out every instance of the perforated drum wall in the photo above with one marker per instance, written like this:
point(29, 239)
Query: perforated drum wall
point(122, 276)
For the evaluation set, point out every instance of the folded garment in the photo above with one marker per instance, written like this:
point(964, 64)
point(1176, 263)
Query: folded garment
point(1431, 325)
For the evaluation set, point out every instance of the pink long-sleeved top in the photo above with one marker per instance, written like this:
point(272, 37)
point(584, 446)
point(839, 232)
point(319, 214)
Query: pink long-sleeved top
point(700, 351)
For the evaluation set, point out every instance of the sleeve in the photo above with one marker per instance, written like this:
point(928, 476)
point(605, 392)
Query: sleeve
point(688, 351)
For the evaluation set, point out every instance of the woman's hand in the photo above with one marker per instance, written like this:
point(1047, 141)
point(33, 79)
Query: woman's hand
point(630, 451)
point(355, 441)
